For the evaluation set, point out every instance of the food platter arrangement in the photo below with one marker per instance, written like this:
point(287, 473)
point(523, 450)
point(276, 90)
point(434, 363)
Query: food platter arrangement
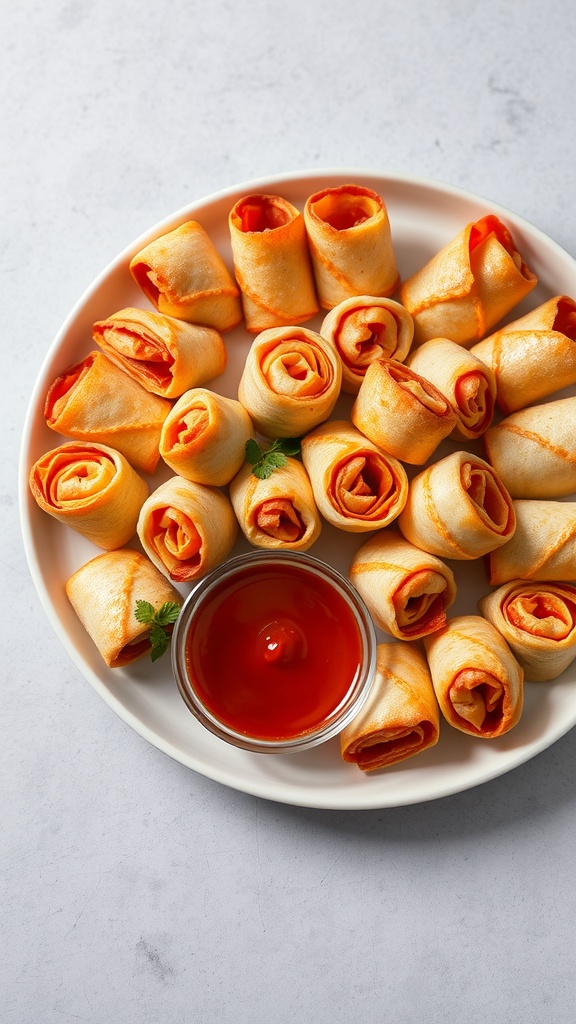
point(377, 371)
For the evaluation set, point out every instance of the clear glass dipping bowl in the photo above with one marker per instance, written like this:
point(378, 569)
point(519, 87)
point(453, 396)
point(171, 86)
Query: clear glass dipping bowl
point(331, 725)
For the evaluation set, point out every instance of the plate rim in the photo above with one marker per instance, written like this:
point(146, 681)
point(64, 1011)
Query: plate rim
point(291, 794)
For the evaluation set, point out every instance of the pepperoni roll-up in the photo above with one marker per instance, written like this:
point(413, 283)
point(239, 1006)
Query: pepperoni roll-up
point(357, 486)
point(467, 287)
point(406, 590)
point(271, 262)
point(365, 328)
point(351, 244)
point(186, 529)
point(183, 275)
point(400, 718)
point(165, 355)
point(458, 508)
point(96, 401)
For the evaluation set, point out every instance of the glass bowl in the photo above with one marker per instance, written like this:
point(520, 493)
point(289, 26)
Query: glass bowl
point(274, 651)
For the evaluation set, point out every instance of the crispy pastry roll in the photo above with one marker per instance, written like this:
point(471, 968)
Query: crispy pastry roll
point(407, 591)
point(365, 328)
point(401, 412)
point(467, 383)
point(357, 486)
point(183, 275)
point(538, 621)
point(204, 436)
point(91, 488)
point(186, 529)
point(400, 718)
point(534, 356)
point(458, 508)
point(272, 262)
point(351, 244)
point(96, 401)
point(543, 546)
point(469, 285)
point(165, 355)
point(534, 450)
point(104, 593)
point(290, 382)
point(477, 680)
point(279, 512)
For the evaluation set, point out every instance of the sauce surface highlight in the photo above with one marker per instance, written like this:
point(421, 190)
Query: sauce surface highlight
point(273, 652)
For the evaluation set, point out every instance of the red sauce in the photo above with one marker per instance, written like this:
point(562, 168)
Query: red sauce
point(273, 652)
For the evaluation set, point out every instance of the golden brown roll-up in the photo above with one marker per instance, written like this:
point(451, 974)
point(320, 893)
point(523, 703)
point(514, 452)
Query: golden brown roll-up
point(365, 328)
point(458, 508)
point(96, 401)
point(357, 486)
point(538, 621)
point(534, 450)
point(204, 437)
point(165, 355)
point(272, 262)
point(467, 383)
point(407, 590)
point(534, 356)
point(279, 512)
point(351, 244)
point(476, 678)
point(183, 275)
point(401, 412)
point(104, 593)
point(467, 287)
point(290, 382)
point(543, 546)
point(91, 488)
point(186, 529)
point(400, 717)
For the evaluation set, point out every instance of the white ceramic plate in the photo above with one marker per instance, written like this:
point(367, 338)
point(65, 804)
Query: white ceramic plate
point(423, 216)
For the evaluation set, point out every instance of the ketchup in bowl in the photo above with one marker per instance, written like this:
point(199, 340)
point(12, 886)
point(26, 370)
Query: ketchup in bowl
point(274, 652)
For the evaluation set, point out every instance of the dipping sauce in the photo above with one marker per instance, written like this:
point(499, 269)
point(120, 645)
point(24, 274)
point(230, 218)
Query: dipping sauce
point(274, 651)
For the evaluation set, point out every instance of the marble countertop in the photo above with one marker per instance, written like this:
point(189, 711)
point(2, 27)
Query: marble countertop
point(135, 890)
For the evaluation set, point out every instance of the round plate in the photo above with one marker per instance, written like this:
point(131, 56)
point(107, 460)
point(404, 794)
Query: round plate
point(424, 216)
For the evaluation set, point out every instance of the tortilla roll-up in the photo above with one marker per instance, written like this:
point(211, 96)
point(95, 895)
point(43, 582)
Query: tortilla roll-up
point(186, 529)
point(96, 401)
point(406, 590)
point(400, 717)
point(543, 546)
point(357, 486)
point(164, 355)
point(104, 593)
point(476, 678)
point(401, 412)
point(458, 508)
point(290, 382)
point(534, 356)
point(467, 287)
point(534, 450)
point(538, 622)
point(365, 328)
point(467, 383)
point(350, 243)
point(278, 512)
point(271, 262)
point(184, 276)
point(91, 488)
point(204, 437)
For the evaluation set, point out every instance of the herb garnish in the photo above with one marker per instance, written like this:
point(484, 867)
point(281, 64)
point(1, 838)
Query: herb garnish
point(158, 622)
point(265, 460)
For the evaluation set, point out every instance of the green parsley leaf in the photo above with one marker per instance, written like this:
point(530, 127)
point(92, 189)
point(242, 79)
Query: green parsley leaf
point(265, 460)
point(159, 621)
